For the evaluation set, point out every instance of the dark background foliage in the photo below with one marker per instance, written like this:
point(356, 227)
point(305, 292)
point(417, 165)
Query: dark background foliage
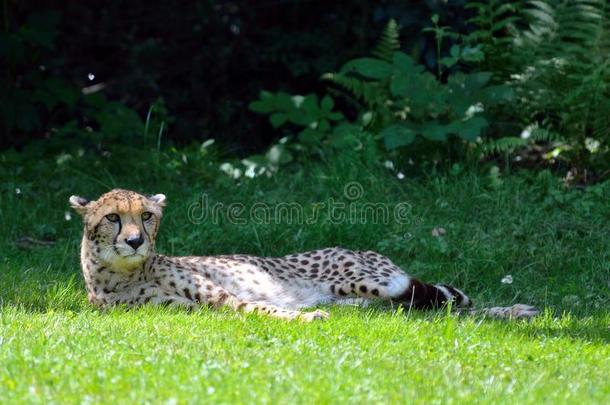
point(206, 60)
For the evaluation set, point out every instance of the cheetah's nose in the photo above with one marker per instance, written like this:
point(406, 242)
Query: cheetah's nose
point(134, 241)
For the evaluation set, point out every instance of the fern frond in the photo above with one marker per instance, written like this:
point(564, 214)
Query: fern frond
point(389, 42)
point(492, 25)
point(501, 146)
point(509, 144)
point(539, 134)
point(350, 84)
point(566, 28)
point(363, 91)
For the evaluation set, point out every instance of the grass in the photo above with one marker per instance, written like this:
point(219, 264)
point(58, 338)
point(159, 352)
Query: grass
point(553, 242)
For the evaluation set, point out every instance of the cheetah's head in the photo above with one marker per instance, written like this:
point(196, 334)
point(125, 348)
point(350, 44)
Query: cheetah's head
point(121, 226)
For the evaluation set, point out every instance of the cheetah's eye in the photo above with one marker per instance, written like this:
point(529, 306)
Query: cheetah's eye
point(146, 215)
point(113, 218)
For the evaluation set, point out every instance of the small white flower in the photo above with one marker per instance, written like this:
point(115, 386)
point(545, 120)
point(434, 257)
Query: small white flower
point(231, 171)
point(274, 155)
point(389, 164)
point(250, 171)
point(508, 279)
point(473, 109)
point(298, 100)
point(367, 117)
point(67, 216)
point(63, 158)
point(211, 390)
point(207, 143)
point(400, 175)
point(592, 145)
point(283, 140)
point(557, 62)
point(438, 231)
point(91, 76)
point(17, 191)
point(527, 131)
point(227, 168)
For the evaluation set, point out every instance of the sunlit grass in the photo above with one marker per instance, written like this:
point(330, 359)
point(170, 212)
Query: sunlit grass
point(357, 356)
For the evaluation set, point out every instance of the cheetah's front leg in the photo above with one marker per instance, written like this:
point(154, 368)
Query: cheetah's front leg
point(140, 294)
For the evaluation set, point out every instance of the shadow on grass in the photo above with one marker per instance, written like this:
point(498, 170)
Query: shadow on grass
point(592, 327)
point(67, 293)
point(52, 291)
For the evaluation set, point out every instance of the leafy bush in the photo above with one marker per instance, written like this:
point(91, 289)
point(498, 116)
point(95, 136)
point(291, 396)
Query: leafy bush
point(550, 59)
point(555, 55)
point(396, 100)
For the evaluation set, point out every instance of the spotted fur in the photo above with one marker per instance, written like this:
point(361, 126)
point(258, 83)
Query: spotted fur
point(120, 266)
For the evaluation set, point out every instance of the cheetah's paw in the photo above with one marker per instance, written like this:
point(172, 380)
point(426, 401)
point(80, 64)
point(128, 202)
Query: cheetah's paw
point(517, 311)
point(523, 311)
point(316, 315)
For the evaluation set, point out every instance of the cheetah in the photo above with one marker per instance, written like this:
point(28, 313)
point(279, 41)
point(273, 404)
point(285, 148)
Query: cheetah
point(120, 267)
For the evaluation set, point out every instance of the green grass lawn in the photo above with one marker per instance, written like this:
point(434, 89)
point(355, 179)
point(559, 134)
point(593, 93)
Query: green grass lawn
point(553, 242)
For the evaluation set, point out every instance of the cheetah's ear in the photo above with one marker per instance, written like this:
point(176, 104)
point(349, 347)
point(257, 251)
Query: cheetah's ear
point(158, 199)
point(79, 204)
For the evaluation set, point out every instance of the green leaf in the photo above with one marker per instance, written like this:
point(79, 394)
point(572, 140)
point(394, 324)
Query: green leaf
point(345, 136)
point(310, 136)
point(475, 81)
point(335, 116)
point(496, 94)
point(301, 117)
point(278, 119)
point(472, 54)
point(310, 105)
point(435, 131)
point(405, 64)
point(327, 103)
point(368, 67)
point(397, 135)
point(261, 106)
point(323, 126)
point(455, 51)
point(399, 84)
point(449, 62)
point(471, 129)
